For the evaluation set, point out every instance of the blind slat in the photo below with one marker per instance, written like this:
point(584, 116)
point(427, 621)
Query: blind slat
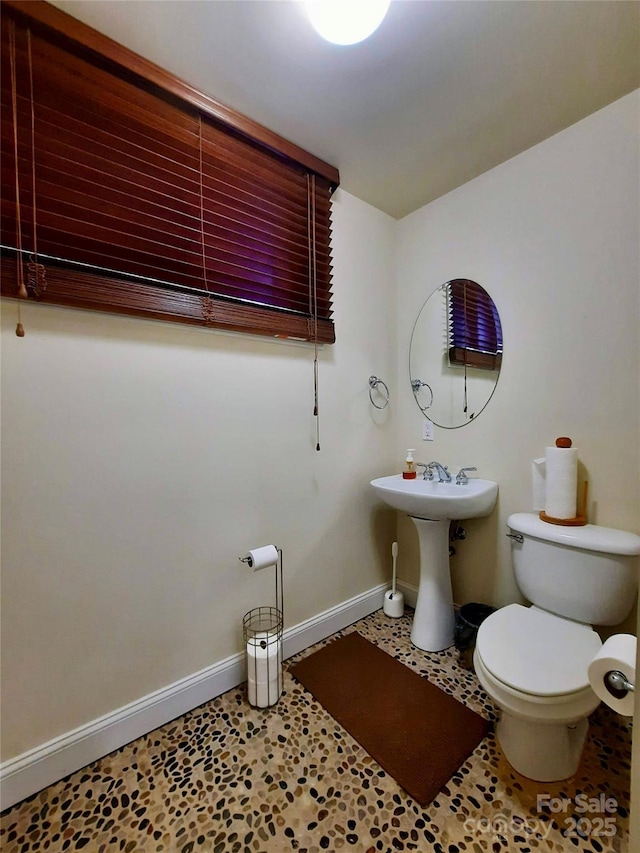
point(93, 291)
point(118, 189)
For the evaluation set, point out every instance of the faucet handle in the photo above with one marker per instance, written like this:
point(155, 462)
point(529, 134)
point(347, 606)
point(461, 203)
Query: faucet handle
point(427, 474)
point(461, 478)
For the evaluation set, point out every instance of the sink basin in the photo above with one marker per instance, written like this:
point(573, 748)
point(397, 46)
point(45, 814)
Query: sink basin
point(438, 501)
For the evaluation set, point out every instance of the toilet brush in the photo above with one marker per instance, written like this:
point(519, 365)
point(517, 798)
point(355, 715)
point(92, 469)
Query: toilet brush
point(393, 601)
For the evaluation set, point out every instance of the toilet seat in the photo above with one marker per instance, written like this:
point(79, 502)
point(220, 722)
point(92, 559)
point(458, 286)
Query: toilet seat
point(530, 652)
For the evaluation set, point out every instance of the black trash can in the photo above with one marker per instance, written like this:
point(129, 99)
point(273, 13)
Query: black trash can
point(468, 620)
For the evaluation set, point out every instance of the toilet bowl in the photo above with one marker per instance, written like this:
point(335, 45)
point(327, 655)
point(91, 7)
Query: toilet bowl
point(539, 681)
point(533, 661)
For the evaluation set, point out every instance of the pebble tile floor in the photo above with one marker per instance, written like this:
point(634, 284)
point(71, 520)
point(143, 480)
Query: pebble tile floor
point(227, 778)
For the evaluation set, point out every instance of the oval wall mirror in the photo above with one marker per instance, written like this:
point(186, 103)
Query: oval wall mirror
point(455, 353)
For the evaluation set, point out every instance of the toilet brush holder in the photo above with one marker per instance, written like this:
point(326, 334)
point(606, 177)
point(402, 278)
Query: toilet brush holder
point(393, 604)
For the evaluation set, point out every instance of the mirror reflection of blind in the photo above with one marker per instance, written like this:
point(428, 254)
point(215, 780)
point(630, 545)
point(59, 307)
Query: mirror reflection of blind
point(474, 330)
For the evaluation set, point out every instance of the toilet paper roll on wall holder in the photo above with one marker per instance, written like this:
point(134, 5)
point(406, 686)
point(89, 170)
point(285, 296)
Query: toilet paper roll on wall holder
point(618, 684)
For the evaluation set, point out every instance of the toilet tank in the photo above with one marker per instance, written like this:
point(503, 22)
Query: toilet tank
point(587, 573)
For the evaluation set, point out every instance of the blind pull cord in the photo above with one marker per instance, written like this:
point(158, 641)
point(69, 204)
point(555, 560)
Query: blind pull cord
point(22, 290)
point(208, 314)
point(313, 294)
point(466, 336)
point(36, 279)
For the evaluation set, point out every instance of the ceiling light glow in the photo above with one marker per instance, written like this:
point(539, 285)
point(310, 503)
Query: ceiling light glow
point(346, 21)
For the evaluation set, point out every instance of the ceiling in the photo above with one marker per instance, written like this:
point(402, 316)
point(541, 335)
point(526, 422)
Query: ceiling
point(442, 92)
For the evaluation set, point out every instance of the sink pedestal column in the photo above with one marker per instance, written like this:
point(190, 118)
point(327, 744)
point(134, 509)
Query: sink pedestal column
point(434, 620)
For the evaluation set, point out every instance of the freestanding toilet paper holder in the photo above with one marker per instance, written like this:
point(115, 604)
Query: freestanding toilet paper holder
point(262, 630)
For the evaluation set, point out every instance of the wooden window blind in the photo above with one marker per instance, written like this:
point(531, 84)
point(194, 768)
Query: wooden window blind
point(474, 330)
point(142, 196)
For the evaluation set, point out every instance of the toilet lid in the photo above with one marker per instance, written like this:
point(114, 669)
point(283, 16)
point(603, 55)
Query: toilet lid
point(537, 652)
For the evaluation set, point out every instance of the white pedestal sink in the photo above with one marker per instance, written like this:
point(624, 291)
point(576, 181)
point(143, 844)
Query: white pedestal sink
point(432, 506)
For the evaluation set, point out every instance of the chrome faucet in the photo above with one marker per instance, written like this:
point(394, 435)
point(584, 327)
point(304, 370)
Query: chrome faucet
point(443, 472)
point(462, 478)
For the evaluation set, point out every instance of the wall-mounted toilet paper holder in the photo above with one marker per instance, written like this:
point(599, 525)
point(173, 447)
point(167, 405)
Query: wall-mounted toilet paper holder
point(618, 684)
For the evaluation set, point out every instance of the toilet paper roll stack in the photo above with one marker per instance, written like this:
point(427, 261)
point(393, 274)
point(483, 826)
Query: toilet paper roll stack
point(264, 678)
point(561, 467)
point(617, 654)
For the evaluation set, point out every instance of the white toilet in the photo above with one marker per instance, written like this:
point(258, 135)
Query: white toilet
point(532, 661)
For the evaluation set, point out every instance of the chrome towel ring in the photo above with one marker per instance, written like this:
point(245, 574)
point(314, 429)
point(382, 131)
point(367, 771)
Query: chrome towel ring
point(373, 383)
point(417, 384)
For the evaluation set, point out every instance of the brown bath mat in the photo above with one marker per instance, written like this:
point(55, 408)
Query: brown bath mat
point(417, 733)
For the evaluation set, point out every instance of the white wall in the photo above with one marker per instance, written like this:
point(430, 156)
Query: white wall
point(553, 236)
point(140, 459)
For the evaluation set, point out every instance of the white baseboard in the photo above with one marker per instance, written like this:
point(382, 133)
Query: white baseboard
point(36, 769)
point(313, 630)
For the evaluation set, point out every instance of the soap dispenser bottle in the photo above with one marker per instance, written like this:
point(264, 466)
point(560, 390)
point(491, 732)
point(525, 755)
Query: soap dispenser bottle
point(409, 472)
